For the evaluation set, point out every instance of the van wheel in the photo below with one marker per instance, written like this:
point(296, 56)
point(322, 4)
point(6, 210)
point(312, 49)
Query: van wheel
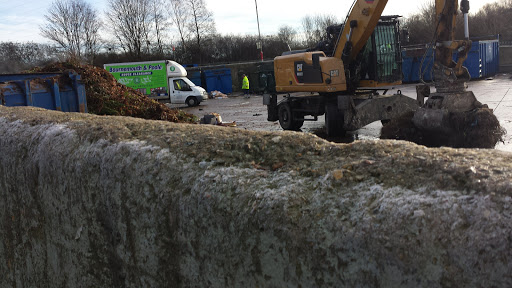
point(192, 101)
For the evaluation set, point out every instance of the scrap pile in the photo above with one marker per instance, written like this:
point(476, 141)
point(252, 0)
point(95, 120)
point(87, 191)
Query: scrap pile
point(215, 119)
point(105, 96)
point(216, 95)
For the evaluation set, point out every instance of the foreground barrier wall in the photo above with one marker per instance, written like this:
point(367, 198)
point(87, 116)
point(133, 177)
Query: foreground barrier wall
point(89, 201)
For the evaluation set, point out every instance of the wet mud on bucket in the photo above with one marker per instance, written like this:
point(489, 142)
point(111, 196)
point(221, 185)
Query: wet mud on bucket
point(478, 128)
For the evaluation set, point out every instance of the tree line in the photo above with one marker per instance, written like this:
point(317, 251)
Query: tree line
point(184, 30)
point(491, 20)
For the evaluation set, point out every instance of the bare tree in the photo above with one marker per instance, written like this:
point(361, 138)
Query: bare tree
point(91, 34)
point(130, 22)
point(180, 17)
point(73, 25)
point(202, 24)
point(160, 21)
point(308, 30)
point(492, 19)
point(288, 35)
point(421, 26)
point(16, 57)
point(314, 28)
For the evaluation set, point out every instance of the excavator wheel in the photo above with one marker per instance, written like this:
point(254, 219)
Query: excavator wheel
point(334, 121)
point(287, 118)
point(297, 124)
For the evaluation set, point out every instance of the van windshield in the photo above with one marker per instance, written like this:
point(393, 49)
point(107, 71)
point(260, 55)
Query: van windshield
point(190, 83)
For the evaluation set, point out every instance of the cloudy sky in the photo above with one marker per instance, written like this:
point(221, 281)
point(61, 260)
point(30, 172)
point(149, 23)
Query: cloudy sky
point(20, 20)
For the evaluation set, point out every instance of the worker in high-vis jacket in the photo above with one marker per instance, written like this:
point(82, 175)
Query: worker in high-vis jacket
point(245, 86)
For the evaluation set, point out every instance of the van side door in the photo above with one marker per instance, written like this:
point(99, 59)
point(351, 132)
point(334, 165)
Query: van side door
point(180, 90)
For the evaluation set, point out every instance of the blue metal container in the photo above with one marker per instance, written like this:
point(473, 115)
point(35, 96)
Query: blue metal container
point(55, 91)
point(482, 61)
point(490, 59)
point(218, 80)
point(412, 63)
point(474, 61)
point(195, 77)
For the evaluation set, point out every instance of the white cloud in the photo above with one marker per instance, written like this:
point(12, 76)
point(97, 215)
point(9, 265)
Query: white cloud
point(21, 29)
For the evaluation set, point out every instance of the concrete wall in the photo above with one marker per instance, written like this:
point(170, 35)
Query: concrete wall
point(88, 201)
point(505, 58)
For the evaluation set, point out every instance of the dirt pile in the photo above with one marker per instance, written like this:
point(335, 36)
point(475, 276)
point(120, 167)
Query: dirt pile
point(478, 128)
point(105, 96)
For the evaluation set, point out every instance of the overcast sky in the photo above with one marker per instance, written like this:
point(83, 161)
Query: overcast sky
point(20, 20)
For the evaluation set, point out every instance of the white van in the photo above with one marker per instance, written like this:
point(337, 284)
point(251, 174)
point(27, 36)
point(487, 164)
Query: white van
point(163, 79)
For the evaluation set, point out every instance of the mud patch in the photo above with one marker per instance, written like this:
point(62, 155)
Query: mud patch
point(478, 128)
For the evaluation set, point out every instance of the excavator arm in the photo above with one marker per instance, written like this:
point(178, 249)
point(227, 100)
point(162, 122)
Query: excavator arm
point(449, 75)
point(358, 28)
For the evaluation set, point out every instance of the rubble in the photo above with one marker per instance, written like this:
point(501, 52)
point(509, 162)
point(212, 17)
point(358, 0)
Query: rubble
point(217, 95)
point(212, 119)
point(215, 119)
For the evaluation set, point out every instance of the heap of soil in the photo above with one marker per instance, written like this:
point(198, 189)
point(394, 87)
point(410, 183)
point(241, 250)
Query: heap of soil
point(106, 96)
point(478, 128)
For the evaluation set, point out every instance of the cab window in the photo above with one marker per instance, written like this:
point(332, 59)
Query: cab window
point(181, 85)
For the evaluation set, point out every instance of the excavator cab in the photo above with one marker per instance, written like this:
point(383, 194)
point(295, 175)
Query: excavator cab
point(381, 59)
point(379, 63)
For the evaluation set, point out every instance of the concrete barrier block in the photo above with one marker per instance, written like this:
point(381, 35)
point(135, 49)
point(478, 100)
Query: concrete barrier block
point(89, 201)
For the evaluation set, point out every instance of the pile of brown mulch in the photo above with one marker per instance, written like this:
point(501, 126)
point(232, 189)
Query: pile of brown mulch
point(478, 128)
point(105, 96)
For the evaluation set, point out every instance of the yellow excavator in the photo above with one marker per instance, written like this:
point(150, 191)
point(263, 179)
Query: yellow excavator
point(344, 84)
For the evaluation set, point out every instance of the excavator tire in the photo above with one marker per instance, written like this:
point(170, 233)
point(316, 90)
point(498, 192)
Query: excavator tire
point(287, 118)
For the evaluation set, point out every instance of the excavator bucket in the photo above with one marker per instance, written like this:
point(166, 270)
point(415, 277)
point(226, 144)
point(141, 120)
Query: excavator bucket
point(478, 128)
point(447, 119)
point(451, 116)
point(435, 114)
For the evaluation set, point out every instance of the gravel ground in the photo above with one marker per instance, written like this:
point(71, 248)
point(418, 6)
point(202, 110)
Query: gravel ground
point(251, 114)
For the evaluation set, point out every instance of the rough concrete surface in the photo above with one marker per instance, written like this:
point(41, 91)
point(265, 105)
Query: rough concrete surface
point(89, 201)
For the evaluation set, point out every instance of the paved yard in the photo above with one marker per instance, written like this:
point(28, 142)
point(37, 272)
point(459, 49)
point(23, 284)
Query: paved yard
point(252, 114)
